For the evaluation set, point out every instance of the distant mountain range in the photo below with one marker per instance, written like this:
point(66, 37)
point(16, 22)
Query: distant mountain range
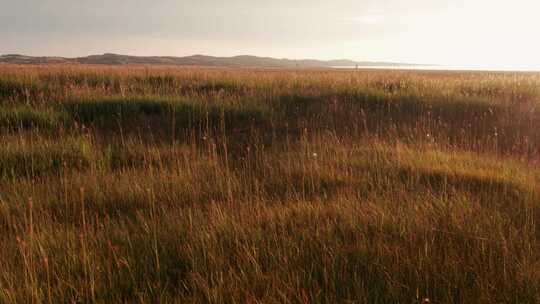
point(195, 60)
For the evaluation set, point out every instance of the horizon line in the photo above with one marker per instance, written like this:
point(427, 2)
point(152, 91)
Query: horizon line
point(221, 56)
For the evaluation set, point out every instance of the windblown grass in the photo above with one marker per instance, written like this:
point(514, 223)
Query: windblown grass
point(28, 117)
point(33, 157)
point(168, 185)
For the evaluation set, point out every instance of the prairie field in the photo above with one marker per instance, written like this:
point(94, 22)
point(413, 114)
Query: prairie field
point(158, 184)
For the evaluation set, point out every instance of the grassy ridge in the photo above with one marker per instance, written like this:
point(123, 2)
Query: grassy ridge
point(136, 184)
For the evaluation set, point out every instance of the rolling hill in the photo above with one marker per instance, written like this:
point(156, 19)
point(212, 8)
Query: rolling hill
point(199, 60)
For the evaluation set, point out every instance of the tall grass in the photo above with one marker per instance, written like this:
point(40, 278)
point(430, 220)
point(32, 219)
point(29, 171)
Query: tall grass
point(174, 185)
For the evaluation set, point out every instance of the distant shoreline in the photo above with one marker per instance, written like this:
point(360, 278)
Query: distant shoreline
point(246, 61)
point(437, 68)
point(198, 60)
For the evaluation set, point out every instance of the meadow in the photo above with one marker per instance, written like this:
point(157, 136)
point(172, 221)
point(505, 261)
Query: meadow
point(158, 184)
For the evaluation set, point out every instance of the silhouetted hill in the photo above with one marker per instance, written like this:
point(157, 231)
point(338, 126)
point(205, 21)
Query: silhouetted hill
point(22, 59)
point(201, 60)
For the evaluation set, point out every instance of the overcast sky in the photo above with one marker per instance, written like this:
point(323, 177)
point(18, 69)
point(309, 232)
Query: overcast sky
point(493, 33)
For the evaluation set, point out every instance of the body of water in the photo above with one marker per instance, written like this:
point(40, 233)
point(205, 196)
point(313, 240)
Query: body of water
point(438, 68)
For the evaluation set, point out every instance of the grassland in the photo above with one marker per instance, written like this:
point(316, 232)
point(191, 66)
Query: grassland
point(176, 185)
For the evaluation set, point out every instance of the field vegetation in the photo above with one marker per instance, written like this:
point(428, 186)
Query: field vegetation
point(139, 184)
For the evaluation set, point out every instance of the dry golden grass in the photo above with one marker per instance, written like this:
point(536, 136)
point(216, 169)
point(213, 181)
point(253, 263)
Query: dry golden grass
point(136, 184)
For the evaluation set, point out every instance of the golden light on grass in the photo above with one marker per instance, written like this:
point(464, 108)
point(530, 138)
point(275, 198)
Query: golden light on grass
point(170, 184)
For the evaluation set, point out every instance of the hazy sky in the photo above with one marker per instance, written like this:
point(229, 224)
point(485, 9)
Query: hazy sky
point(492, 33)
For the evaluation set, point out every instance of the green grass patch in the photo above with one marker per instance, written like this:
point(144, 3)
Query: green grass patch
point(182, 112)
point(41, 157)
point(28, 117)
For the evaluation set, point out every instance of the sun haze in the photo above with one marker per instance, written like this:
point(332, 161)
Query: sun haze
point(473, 33)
